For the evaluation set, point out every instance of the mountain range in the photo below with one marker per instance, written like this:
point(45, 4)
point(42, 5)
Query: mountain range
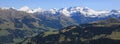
point(66, 16)
point(18, 24)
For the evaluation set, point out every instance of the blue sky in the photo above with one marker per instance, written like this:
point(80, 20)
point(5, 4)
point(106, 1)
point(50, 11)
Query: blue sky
point(47, 4)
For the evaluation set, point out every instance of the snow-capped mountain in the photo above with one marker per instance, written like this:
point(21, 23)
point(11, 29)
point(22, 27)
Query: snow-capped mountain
point(28, 10)
point(85, 11)
point(69, 12)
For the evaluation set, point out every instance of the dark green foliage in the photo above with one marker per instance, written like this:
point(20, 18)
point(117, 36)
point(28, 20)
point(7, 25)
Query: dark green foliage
point(104, 41)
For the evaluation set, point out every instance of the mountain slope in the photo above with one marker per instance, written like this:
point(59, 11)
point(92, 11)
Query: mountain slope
point(82, 34)
point(17, 25)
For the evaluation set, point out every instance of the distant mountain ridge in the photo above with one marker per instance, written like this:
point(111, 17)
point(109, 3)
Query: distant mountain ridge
point(68, 11)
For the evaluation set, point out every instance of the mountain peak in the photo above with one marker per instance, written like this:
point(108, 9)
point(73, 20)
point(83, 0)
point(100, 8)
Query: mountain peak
point(38, 10)
point(53, 11)
point(26, 9)
point(64, 11)
point(114, 11)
